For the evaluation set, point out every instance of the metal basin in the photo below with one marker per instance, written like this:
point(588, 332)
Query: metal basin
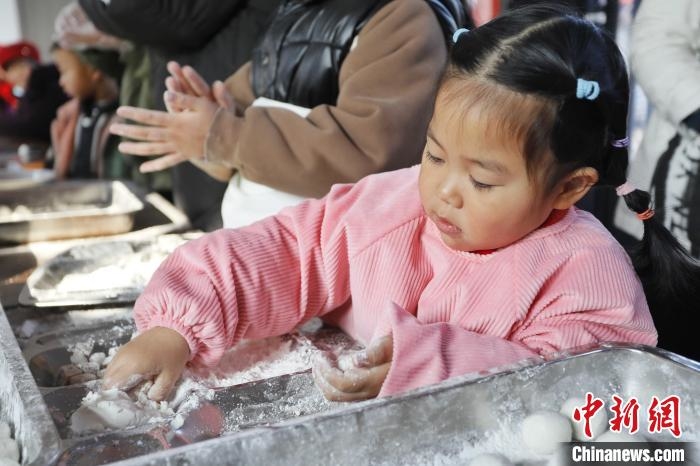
point(70, 209)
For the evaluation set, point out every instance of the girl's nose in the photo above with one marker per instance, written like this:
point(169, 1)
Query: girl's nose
point(450, 193)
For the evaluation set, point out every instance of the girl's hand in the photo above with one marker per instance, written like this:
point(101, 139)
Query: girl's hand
point(355, 376)
point(159, 354)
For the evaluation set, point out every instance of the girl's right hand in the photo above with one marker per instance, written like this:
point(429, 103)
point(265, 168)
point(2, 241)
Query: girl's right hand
point(159, 353)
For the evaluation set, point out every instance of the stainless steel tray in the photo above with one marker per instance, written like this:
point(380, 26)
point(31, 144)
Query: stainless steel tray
point(70, 209)
point(22, 406)
point(450, 423)
point(102, 273)
point(283, 420)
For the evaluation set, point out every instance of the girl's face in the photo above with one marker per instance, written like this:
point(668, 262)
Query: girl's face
point(77, 79)
point(474, 184)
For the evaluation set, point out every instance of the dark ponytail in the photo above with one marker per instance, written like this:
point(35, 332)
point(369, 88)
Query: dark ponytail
point(545, 52)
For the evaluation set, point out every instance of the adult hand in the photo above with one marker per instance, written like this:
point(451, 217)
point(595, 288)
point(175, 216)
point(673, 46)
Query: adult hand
point(355, 376)
point(186, 80)
point(158, 353)
point(73, 29)
point(178, 134)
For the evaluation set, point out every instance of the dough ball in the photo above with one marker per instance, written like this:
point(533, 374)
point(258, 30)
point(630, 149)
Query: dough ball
point(98, 358)
point(543, 431)
point(110, 409)
point(9, 449)
point(490, 459)
point(611, 436)
point(598, 423)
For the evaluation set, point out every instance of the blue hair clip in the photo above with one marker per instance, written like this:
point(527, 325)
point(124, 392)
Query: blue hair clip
point(588, 90)
point(458, 32)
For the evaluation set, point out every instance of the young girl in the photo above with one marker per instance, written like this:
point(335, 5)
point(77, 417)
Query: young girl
point(474, 260)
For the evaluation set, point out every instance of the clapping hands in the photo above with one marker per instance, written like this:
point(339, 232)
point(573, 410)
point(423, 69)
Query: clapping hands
point(180, 133)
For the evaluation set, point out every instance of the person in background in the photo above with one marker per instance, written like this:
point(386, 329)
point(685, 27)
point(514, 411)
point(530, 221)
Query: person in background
point(473, 260)
point(216, 37)
point(665, 59)
point(8, 101)
point(82, 145)
point(335, 91)
point(37, 90)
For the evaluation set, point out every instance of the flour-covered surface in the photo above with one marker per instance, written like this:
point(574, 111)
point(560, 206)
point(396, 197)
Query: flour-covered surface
point(114, 271)
point(22, 408)
point(454, 422)
point(230, 387)
point(263, 417)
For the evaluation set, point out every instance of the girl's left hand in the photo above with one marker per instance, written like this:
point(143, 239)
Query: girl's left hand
point(355, 376)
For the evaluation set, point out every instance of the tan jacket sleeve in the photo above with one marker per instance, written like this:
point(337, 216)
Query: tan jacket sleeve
point(387, 88)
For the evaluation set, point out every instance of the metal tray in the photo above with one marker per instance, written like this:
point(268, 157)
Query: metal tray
point(18, 179)
point(103, 273)
point(70, 209)
point(261, 422)
point(452, 422)
point(22, 406)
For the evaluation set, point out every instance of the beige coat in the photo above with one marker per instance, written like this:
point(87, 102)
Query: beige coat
point(387, 86)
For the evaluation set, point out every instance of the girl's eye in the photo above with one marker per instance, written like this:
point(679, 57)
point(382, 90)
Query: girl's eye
point(481, 186)
point(432, 158)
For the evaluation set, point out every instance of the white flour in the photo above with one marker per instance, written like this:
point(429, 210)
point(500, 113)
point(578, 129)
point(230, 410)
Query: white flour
point(249, 361)
point(8, 214)
point(9, 450)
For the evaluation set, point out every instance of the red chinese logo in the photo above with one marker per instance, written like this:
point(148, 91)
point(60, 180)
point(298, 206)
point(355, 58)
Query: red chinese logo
point(662, 414)
point(627, 415)
point(665, 414)
point(587, 412)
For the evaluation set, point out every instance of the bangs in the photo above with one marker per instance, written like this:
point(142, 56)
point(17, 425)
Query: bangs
point(522, 122)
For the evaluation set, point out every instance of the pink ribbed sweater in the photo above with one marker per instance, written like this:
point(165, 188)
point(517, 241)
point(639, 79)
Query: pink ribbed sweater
point(367, 259)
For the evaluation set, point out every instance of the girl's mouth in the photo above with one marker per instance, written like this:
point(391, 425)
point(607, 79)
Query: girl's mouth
point(446, 227)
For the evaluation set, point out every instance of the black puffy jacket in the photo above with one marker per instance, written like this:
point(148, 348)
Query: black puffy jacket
point(302, 51)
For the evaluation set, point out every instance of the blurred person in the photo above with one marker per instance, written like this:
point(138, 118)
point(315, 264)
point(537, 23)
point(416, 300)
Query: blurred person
point(37, 91)
point(334, 92)
point(665, 49)
point(665, 46)
point(216, 37)
point(8, 101)
point(82, 145)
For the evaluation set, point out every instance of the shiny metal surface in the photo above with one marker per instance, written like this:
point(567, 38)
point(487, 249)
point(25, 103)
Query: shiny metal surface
point(285, 420)
point(69, 209)
point(22, 406)
point(446, 423)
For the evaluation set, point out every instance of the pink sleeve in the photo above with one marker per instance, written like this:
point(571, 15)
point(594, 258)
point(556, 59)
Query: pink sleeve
point(425, 354)
point(253, 282)
point(568, 312)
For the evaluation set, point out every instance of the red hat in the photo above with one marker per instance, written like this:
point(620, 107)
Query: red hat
point(17, 50)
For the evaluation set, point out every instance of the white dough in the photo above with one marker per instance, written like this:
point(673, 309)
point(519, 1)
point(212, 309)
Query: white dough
point(98, 358)
point(611, 436)
point(598, 423)
point(6, 462)
point(543, 431)
point(9, 449)
point(4, 430)
point(113, 409)
point(490, 459)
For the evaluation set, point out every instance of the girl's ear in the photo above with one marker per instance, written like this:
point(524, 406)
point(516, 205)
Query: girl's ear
point(575, 186)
